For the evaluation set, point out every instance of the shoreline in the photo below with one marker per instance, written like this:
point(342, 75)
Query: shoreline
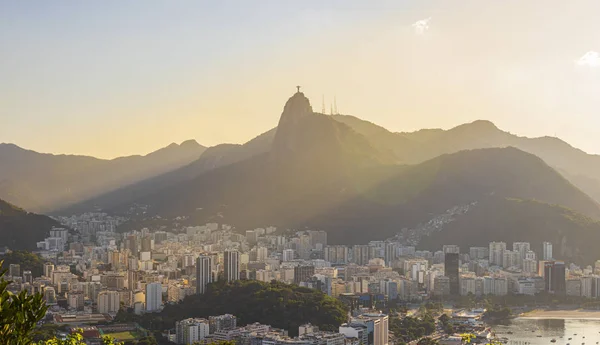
point(581, 314)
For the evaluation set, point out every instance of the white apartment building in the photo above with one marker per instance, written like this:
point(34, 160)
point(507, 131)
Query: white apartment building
point(153, 296)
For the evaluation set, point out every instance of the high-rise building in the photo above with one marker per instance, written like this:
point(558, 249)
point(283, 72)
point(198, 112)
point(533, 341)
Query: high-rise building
point(336, 254)
point(510, 259)
point(390, 253)
point(596, 286)
point(547, 251)
point(317, 237)
point(50, 295)
point(222, 322)
point(302, 273)
point(109, 302)
point(451, 264)
point(75, 300)
point(133, 278)
point(48, 269)
point(573, 287)
point(361, 254)
point(153, 296)
point(262, 254)
point(468, 285)
point(530, 266)
point(288, 255)
point(521, 248)
point(377, 326)
point(587, 284)
point(203, 273)
point(451, 248)
point(554, 276)
point(251, 236)
point(304, 246)
point(415, 268)
point(27, 277)
point(477, 253)
point(441, 286)
point(190, 331)
point(147, 243)
point(160, 237)
point(14, 270)
point(231, 261)
point(497, 253)
point(132, 245)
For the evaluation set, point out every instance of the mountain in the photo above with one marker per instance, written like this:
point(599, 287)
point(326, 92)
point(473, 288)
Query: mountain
point(20, 230)
point(322, 173)
point(411, 195)
point(212, 158)
point(46, 182)
point(311, 156)
point(503, 219)
point(295, 134)
point(580, 168)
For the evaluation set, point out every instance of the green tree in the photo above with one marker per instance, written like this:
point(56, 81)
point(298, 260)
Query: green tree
point(27, 260)
point(19, 313)
point(277, 304)
point(427, 341)
point(75, 339)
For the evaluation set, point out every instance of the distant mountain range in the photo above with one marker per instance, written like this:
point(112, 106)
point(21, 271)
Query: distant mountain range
point(580, 168)
point(361, 182)
point(46, 182)
point(20, 229)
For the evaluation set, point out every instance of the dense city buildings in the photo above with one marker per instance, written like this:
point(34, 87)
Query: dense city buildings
point(190, 331)
point(100, 271)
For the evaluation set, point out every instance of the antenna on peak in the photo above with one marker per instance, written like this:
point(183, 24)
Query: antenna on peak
point(323, 105)
point(335, 105)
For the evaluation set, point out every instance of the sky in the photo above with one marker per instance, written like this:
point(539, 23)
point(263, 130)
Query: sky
point(113, 78)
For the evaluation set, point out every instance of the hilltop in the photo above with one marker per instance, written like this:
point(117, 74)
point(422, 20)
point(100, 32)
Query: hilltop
point(20, 230)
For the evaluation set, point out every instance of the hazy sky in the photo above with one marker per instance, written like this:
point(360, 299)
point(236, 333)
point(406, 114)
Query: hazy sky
point(110, 78)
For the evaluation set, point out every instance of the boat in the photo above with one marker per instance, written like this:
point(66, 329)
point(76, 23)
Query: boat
point(553, 340)
point(539, 336)
point(509, 332)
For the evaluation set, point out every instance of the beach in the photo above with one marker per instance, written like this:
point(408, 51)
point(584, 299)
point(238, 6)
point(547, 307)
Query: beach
point(581, 314)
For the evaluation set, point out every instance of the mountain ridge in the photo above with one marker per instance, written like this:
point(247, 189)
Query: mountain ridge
point(43, 181)
point(21, 230)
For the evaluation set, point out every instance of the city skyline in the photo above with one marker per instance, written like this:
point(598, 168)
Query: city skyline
point(129, 79)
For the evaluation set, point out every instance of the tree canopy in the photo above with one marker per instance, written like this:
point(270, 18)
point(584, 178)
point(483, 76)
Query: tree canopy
point(28, 261)
point(277, 304)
